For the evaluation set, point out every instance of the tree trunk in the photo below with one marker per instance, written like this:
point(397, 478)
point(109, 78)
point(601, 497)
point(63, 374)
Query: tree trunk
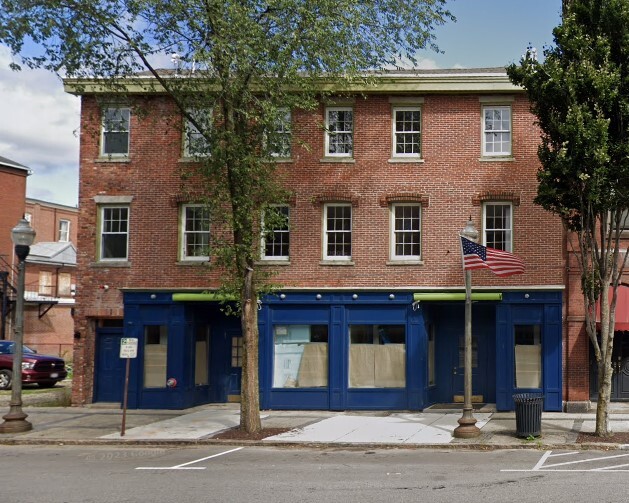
point(604, 394)
point(250, 386)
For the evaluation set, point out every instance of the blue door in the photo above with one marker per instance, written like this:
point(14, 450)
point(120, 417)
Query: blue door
point(110, 368)
point(235, 369)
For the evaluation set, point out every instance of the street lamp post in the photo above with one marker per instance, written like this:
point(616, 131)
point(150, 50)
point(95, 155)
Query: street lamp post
point(15, 421)
point(467, 423)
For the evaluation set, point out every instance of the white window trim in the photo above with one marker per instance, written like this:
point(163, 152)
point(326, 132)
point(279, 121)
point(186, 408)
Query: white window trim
point(327, 131)
point(182, 236)
point(484, 152)
point(185, 140)
point(66, 232)
point(392, 242)
point(499, 203)
point(336, 258)
point(101, 221)
point(102, 133)
point(272, 258)
point(394, 132)
point(287, 129)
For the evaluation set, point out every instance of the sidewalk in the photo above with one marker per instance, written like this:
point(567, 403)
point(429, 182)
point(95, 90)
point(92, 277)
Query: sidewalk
point(91, 425)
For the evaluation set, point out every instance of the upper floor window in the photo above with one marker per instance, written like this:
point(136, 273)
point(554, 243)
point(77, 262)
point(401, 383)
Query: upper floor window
point(195, 142)
point(114, 233)
point(337, 232)
point(64, 230)
point(406, 132)
point(498, 226)
point(28, 217)
point(281, 138)
point(276, 233)
point(496, 130)
point(115, 131)
point(339, 127)
point(405, 231)
point(195, 232)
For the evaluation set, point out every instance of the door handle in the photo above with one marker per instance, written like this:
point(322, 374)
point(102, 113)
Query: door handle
point(454, 370)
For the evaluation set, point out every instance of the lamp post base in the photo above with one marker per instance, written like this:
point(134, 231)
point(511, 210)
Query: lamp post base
point(15, 421)
point(467, 426)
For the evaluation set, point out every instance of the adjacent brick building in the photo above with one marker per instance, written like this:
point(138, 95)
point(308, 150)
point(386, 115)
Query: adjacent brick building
point(370, 315)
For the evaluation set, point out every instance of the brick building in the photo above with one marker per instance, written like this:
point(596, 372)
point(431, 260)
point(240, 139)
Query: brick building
point(50, 278)
point(13, 191)
point(48, 322)
point(370, 315)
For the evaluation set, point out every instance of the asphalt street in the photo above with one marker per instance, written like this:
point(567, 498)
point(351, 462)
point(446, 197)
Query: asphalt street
point(74, 474)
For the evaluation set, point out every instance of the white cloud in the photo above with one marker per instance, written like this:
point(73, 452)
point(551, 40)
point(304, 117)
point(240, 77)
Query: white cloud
point(39, 129)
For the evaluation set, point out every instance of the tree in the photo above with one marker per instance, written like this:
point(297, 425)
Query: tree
point(580, 95)
point(248, 61)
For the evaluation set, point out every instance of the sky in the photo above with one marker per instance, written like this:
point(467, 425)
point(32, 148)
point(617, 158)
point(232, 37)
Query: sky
point(39, 122)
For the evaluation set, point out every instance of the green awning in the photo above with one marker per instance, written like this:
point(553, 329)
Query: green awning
point(453, 296)
point(202, 297)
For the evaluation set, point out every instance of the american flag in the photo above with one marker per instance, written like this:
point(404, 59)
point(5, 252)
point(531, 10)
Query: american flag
point(501, 263)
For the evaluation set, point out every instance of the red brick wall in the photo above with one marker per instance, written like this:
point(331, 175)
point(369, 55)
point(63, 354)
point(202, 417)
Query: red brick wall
point(13, 192)
point(451, 178)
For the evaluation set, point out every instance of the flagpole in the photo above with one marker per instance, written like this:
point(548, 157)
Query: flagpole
point(467, 423)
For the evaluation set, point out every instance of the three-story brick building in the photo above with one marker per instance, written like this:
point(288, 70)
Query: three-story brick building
point(370, 315)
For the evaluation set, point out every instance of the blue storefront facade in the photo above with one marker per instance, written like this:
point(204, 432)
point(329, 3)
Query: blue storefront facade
point(338, 350)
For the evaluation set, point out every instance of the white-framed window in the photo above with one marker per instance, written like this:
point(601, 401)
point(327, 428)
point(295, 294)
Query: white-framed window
point(115, 131)
point(339, 131)
point(496, 130)
point(28, 217)
point(405, 231)
point(114, 233)
point(195, 232)
point(64, 230)
point(498, 226)
point(337, 231)
point(276, 233)
point(195, 144)
point(406, 131)
point(281, 138)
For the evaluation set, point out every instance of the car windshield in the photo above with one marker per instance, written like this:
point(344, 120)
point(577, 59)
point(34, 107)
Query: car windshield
point(6, 348)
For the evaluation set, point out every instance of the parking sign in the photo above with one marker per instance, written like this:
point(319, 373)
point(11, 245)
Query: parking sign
point(128, 347)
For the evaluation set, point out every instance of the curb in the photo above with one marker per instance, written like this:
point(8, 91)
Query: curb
point(598, 446)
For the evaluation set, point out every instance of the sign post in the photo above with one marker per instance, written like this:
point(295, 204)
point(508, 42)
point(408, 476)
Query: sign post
point(128, 350)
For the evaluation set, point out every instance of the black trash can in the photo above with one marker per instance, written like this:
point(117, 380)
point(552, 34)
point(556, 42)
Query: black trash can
point(528, 414)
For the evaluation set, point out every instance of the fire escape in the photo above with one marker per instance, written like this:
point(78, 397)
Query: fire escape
point(7, 296)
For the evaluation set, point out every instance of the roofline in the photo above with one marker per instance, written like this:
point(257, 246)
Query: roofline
point(31, 200)
point(494, 80)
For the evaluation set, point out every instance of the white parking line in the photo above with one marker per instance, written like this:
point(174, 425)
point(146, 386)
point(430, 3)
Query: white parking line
point(541, 465)
point(185, 466)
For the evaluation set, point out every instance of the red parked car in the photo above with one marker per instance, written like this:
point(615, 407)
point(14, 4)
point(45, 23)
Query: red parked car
point(43, 370)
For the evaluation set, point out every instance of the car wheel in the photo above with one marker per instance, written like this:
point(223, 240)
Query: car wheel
point(5, 379)
point(47, 384)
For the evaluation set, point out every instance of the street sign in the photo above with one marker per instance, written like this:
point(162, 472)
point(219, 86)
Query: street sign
point(128, 347)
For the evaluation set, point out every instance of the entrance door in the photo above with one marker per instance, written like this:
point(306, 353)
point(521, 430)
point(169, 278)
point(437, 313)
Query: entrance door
point(458, 372)
point(620, 364)
point(235, 371)
point(110, 368)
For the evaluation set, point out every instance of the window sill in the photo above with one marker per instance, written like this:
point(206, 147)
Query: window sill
point(194, 263)
point(113, 159)
point(193, 159)
point(405, 262)
point(337, 262)
point(410, 160)
point(281, 160)
point(341, 160)
point(497, 159)
point(113, 264)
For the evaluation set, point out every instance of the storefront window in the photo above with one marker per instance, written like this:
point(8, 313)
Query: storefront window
point(301, 356)
point(377, 356)
point(155, 356)
point(528, 356)
point(201, 348)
